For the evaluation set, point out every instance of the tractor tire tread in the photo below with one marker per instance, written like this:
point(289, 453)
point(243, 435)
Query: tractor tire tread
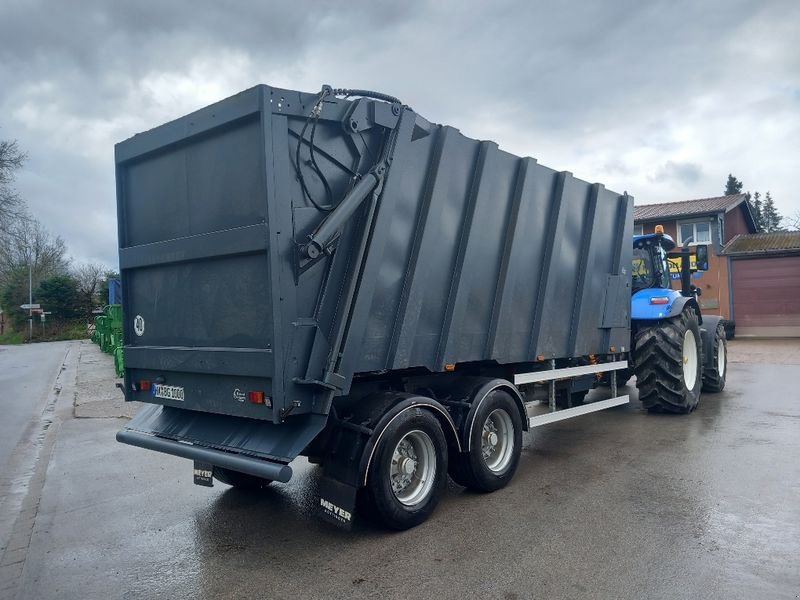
point(658, 356)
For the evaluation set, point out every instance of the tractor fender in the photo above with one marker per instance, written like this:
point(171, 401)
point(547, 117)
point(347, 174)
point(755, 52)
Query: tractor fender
point(707, 331)
point(680, 304)
point(642, 309)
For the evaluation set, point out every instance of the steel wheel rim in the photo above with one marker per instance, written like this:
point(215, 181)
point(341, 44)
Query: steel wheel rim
point(689, 359)
point(497, 440)
point(413, 468)
point(721, 358)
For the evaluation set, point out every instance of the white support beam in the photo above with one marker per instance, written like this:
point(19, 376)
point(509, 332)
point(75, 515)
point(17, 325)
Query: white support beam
point(577, 411)
point(551, 374)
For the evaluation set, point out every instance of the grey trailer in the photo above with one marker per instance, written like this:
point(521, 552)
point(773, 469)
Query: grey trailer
point(331, 275)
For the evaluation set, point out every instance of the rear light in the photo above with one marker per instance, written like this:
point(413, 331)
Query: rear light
point(659, 300)
point(256, 397)
point(144, 385)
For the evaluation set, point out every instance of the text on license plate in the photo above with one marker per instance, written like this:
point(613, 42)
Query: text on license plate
point(168, 392)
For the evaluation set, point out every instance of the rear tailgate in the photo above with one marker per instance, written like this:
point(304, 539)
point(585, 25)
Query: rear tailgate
point(194, 260)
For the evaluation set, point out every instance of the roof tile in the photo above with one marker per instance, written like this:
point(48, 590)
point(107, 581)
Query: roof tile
point(776, 242)
point(685, 208)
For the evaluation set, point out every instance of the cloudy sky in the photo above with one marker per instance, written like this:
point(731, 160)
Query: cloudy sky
point(662, 99)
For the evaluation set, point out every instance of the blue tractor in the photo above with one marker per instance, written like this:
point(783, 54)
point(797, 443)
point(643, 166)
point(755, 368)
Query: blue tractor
point(676, 351)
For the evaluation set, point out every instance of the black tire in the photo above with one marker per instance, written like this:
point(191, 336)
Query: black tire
point(623, 377)
point(714, 375)
point(471, 469)
point(383, 503)
point(241, 481)
point(659, 357)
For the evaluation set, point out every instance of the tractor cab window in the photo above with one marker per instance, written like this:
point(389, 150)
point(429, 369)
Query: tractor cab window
point(642, 269)
point(649, 269)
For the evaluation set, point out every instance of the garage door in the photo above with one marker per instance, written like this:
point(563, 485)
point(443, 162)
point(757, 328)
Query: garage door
point(766, 296)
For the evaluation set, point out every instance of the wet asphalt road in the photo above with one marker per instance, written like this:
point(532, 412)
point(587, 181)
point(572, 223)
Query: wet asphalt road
point(26, 374)
point(618, 504)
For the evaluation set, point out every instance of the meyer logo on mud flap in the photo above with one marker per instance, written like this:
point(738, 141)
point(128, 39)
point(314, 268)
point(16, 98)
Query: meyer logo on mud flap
point(203, 474)
point(334, 511)
point(337, 502)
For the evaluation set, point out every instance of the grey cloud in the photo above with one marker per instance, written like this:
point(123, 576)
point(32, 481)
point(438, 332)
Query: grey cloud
point(606, 90)
point(683, 173)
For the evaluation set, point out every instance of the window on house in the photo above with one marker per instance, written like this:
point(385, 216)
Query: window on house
point(638, 229)
point(699, 231)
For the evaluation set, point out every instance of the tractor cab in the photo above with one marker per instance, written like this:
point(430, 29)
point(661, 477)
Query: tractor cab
point(651, 282)
point(650, 267)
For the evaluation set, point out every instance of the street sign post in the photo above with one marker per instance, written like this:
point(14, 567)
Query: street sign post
point(30, 306)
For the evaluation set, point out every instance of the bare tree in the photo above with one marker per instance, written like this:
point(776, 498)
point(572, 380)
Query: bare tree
point(11, 205)
point(27, 244)
point(89, 277)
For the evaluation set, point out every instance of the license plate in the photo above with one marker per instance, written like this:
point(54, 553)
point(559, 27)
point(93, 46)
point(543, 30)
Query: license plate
point(168, 392)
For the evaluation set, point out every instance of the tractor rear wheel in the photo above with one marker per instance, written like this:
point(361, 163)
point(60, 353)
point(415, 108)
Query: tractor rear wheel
point(668, 359)
point(714, 375)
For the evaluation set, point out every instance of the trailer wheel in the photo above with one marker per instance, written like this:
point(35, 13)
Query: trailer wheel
point(495, 445)
point(714, 376)
point(408, 473)
point(242, 481)
point(668, 358)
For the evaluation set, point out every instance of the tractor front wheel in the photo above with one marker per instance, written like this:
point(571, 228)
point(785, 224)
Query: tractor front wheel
point(669, 365)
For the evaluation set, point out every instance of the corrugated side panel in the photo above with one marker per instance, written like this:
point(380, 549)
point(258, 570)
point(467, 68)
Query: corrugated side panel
point(488, 256)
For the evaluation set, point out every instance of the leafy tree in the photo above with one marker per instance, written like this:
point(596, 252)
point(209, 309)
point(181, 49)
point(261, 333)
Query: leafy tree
point(733, 186)
point(60, 295)
point(13, 294)
point(771, 218)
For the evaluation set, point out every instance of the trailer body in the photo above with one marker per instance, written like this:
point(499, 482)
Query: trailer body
point(260, 290)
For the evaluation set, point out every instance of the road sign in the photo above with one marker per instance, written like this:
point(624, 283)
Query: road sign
point(30, 306)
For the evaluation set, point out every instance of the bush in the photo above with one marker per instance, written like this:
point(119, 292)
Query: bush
point(11, 337)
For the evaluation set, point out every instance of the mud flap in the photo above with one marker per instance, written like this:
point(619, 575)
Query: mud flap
point(203, 474)
point(337, 502)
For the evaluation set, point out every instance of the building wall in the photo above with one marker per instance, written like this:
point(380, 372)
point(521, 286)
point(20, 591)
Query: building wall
point(735, 224)
point(715, 296)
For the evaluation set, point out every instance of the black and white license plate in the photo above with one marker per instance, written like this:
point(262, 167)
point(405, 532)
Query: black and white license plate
point(168, 392)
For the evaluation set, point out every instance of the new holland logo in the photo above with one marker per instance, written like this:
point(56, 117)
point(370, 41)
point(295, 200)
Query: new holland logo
point(334, 510)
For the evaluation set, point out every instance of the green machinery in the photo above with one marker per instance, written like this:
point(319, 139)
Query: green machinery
point(108, 334)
